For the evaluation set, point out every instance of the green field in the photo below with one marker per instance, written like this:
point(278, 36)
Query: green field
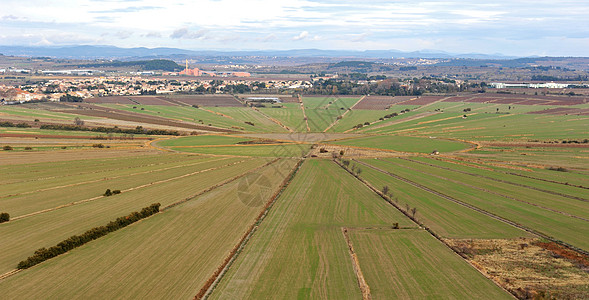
point(286, 150)
point(299, 251)
point(261, 122)
point(291, 116)
point(404, 144)
point(444, 217)
point(411, 264)
point(551, 222)
point(202, 140)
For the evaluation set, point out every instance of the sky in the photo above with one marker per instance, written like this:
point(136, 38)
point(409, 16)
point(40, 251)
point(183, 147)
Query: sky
point(518, 28)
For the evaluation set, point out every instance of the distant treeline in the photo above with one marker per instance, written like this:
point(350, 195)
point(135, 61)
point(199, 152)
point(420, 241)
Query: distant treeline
point(147, 65)
point(10, 124)
point(558, 78)
point(137, 130)
point(75, 241)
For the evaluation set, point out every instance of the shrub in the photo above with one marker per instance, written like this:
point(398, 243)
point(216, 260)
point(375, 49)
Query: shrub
point(116, 192)
point(98, 146)
point(323, 150)
point(28, 148)
point(7, 148)
point(4, 217)
point(559, 169)
point(107, 193)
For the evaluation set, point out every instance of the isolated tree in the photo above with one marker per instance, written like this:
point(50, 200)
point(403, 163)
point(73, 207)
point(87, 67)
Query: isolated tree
point(414, 211)
point(4, 217)
point(358, 171)
point(78, 121)
point(385, 190)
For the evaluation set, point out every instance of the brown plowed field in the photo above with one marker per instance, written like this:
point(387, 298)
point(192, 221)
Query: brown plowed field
point(152, 100)
point(380, 102)
point(423, 100)
point(111, 100)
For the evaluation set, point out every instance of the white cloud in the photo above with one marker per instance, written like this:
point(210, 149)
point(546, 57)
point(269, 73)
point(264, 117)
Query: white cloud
point(324, 23)
point(184, 33)
point(303, 35)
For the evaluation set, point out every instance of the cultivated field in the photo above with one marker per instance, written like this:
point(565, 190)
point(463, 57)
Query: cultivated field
point(466, 196)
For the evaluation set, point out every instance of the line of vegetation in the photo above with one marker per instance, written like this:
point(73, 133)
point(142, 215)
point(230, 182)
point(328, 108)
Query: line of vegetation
point(4, 217)
point(10, 124)
point(75, 241)
point(137, 130)
point(147, 65)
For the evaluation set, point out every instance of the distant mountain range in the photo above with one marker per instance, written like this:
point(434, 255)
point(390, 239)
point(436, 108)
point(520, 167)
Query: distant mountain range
point(111, 52)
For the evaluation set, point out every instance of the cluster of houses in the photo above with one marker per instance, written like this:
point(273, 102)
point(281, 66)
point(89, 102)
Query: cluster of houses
point(87, 87)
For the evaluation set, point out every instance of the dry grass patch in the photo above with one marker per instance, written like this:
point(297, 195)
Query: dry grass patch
point(528, 267)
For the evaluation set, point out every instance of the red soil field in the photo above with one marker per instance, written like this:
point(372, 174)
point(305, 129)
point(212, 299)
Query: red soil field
point(380, 102)
point(152, 100)
point(423, 100)
point(111, 100)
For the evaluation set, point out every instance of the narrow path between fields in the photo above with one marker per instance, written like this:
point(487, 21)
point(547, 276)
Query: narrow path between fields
point(364, 288)
point(343, 115)
point(272, 119)
point(304, 114)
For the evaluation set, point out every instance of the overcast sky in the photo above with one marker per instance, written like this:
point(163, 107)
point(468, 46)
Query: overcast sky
point(559, 28)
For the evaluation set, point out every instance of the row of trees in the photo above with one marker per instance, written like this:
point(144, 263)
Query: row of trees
point(137, 130)
point(386, 191)
point(10, 124)
point(75, 241)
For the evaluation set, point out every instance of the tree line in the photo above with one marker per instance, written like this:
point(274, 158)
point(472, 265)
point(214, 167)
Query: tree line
point(137, 130)
point(75, 241)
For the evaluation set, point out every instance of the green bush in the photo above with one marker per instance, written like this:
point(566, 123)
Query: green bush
point(4, 217)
